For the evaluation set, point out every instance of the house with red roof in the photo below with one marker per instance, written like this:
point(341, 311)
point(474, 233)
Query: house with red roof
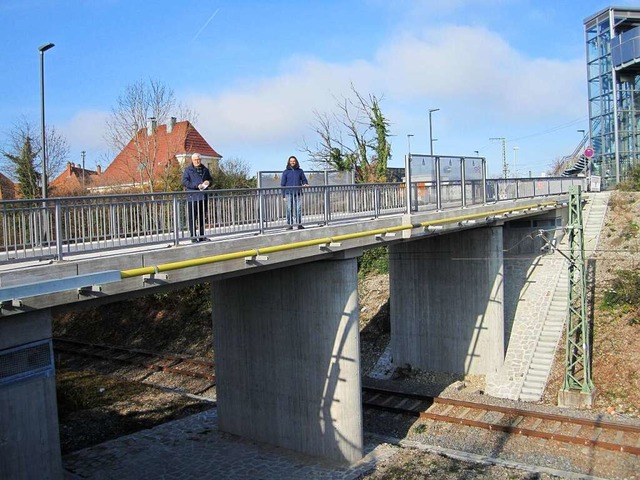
point(152, 161)
point(74, 181)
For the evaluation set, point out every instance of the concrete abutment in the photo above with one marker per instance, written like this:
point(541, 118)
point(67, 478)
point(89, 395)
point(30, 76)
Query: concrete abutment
point(29, 435)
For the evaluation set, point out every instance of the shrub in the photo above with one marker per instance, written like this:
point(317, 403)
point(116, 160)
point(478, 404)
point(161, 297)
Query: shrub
point(375, 260)
point(631, 183)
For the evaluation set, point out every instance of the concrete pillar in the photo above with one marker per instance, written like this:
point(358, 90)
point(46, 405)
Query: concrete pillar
point(29, 436)
point(287, 355)
point(446, 296)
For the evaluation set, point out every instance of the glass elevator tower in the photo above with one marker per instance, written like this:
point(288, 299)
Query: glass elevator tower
point(613, 75)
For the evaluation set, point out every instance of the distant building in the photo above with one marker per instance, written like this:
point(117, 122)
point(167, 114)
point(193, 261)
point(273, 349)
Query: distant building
point(613, 79)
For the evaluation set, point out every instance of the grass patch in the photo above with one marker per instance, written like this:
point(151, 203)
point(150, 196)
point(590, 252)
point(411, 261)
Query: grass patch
point(624, 290)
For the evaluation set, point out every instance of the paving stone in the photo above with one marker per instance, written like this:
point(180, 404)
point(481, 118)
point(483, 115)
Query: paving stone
point(194, 448)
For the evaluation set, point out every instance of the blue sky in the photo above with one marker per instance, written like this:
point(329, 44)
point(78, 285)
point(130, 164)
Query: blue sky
point(255, 71)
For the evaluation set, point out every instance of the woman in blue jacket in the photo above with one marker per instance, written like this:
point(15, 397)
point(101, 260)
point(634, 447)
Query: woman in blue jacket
point(293, 177)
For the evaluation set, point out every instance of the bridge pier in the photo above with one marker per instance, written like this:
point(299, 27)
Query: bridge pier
point(29, 437)
point(287, 355)
point(447, 296)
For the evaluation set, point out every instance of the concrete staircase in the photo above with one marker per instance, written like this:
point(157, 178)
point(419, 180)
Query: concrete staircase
point(541, 359)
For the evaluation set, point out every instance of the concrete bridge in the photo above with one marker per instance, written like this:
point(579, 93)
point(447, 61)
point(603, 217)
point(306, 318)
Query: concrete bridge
point(285, 317)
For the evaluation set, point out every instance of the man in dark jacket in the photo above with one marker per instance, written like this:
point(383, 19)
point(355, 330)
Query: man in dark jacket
point(293, 176)
point(196, 178)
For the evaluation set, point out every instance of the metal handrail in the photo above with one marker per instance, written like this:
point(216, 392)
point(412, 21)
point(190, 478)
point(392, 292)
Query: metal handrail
point(56, 228)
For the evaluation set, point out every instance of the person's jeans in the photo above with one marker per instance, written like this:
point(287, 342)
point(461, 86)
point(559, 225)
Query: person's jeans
point(294, 204)
point(196, 209)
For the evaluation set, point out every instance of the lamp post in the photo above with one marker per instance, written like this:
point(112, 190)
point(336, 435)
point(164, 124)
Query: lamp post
point(409, 135)
point(431, 110)
point(582, 132)
point(515, 159)
point(477, 152)
point(43, 49)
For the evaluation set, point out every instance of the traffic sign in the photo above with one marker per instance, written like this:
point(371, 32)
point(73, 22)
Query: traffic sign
point(588, 152)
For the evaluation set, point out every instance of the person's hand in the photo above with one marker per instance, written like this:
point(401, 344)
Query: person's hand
point(205, 184)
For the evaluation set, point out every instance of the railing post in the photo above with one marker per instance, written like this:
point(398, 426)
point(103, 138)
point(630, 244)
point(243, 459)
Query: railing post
point(176, 220)
point(484, 181)
point(438, 186)
point(58, 221)
point(327, 205)
point(376, 201)
point(407, 179)
point(463, 182)
point(327, 199)
point(261, 209)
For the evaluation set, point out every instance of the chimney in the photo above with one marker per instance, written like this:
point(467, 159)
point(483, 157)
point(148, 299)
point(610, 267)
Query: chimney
point(69, 168)
point(98, 169)
point(171, 124)
point(151, 125)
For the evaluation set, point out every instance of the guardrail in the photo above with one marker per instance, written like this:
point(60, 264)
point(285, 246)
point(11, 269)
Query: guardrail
point(56, 228)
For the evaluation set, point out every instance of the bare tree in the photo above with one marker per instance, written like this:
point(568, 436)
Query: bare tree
point(355, 135)
point(24, 131)
point(126, 128)
point(233, 173)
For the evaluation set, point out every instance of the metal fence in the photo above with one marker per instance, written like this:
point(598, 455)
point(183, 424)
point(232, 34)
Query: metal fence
point(56, 228)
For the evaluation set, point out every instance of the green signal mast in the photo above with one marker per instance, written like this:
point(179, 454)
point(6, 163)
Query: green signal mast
point(578, 389)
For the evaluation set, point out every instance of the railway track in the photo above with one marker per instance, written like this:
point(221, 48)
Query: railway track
point(395, 402)
point(613, 436)
point(159, 362)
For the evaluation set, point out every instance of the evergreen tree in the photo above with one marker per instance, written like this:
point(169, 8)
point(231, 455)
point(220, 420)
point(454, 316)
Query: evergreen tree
point(28, 178)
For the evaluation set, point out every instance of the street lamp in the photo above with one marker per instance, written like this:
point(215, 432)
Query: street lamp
point(409, 135)
point(515, 159)
point(477, 152)
point(431, 110)
point(43, 49)
point(582, 132)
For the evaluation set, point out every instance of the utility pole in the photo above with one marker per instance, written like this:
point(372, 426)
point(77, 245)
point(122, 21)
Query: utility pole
point(83, 174)
point(505, 165)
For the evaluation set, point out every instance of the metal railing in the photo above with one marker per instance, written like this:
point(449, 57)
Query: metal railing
point(56, 228)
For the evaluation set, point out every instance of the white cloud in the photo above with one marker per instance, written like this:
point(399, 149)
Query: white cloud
point(471, 70)
point(279, 108)
point(86, 129)
point(479, 69)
